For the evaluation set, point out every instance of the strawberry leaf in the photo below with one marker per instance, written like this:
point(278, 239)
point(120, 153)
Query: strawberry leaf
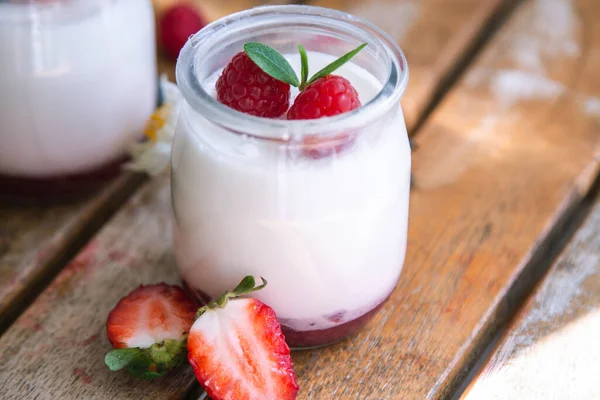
point(271, 62)
point(304, 68)
point(120, 358)
point(246, 286)
point(150, 363)
point(336, 64)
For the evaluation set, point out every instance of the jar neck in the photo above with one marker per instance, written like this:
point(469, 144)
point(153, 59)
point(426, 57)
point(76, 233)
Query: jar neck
point(284, 27)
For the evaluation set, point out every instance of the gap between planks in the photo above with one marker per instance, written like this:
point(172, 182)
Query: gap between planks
point(523, 290)
point(546, 334)
point(493, 23)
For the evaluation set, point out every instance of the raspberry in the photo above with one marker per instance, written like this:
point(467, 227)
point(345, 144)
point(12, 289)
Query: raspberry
point(243, 86)
point(176, 26)
point(325, 97)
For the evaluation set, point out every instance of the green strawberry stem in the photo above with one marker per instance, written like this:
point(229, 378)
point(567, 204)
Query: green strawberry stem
point(148, 363)
point(274, 64)
point(246, 286)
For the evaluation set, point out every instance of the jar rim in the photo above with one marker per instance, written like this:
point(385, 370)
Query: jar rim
point(277, 129)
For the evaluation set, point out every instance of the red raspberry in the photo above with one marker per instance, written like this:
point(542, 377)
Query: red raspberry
point(325, 97)
point(243, 86)
point(176, 26)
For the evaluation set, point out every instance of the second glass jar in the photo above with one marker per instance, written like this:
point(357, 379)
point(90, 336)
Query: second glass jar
point(77, 84)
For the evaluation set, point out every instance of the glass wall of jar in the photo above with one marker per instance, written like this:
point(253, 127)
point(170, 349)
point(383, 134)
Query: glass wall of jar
point(319, 208)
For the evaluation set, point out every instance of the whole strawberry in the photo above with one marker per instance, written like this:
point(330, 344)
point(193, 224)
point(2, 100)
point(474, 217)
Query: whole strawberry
point(176, 25)
point(148, 329)
point(237, 350)
point(243, 86)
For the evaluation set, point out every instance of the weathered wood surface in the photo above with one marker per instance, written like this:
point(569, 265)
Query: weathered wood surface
point(55, 350)
point(435, 35)
point(498, 164)
point(36, 241)
point(551, 350)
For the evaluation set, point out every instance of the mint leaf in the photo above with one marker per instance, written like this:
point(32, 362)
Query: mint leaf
point(304, 68)
point(271, 62)
point(336, 64)
point(120, 358)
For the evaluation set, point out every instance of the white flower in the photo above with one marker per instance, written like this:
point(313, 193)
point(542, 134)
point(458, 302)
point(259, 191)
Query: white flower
point(153, 155)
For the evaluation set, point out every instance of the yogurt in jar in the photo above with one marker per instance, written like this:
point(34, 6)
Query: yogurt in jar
point(77, 83)
point(328, 234)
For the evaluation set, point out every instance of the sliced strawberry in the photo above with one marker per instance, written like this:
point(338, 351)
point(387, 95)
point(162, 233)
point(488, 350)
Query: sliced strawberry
point(238, 352)
point(148, 329)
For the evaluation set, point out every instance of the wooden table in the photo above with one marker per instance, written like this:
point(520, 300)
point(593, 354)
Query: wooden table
point(504, 108)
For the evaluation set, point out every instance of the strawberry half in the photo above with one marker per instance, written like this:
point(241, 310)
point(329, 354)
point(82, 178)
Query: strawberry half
point(237, 349)
point(148, 329)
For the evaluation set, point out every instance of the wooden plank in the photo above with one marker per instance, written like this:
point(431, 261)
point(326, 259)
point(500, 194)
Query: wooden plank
point(66, 323)
point(497, 167)
point(551, 351)
point(37, 241)
point(435, 35)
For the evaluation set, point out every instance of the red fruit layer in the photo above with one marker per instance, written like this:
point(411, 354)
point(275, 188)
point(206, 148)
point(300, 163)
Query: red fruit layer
point(309, 339)
point(243, 86)
point(61, 188)
point(317, 148)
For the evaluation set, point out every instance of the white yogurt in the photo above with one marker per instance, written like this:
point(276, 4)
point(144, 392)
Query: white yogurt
point(329, 235)
point(77, 83)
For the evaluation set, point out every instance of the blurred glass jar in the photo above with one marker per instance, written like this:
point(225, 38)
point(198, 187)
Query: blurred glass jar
point(77, 83)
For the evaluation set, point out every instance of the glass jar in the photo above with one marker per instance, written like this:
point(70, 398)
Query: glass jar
point(77, 83)
point(319, 208)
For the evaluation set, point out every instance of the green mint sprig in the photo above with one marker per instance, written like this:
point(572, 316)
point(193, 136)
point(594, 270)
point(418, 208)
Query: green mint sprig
point(274, 64)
